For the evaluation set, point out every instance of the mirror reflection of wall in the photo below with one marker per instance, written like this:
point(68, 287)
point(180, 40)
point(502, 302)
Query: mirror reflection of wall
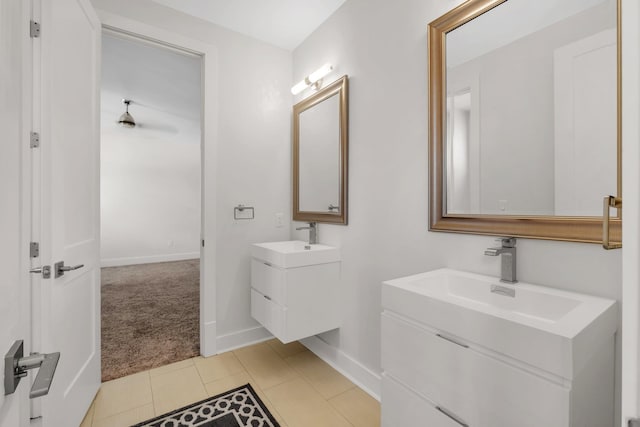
point(320, 156)
point(546, 106)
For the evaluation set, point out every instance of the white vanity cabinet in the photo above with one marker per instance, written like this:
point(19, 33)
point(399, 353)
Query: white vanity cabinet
point(295, 296)
point(449, 360)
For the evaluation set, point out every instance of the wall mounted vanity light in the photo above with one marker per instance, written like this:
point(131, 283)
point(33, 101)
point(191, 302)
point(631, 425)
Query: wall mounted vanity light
point(314, 79)
point(126, 120)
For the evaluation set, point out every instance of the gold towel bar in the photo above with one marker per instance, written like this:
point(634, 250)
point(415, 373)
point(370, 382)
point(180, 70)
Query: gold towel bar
point(609, 202)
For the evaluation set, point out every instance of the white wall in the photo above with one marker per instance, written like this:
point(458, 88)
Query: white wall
point(381, 45)
point(150, 174)
point(253, 153)
point(150, 191)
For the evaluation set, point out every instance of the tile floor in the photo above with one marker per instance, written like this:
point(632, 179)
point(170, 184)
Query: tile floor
point(299, 389)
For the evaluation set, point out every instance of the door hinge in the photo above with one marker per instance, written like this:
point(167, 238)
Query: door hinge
point(203, 243)
point(634, 422)
point(34, 29)
point(34, 140)
point(34, 249)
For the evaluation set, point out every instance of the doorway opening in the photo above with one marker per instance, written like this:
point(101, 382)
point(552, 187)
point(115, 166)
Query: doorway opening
point(151, 174)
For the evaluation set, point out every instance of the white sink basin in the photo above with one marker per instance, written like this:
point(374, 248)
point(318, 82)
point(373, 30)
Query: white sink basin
point(294, 253)
point(528, 301)
point(543, 326)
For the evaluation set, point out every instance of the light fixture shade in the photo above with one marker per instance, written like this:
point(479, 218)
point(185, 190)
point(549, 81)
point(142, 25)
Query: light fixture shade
point(320, 73)
point(312, 78)
point(126, 120)
point(299, 87)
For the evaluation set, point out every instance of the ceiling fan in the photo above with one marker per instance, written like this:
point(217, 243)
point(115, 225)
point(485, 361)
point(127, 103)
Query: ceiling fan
point(127, 120)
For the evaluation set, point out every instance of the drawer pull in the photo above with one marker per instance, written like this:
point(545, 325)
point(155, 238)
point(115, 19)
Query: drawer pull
point(452, 341)
point(450, 415)
point(267, 264)
point(267, 297)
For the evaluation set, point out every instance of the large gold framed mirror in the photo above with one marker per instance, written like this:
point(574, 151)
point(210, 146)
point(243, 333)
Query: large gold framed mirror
point(524, 119)
point(320, 155)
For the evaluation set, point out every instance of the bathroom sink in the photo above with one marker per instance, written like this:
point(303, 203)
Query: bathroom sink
point(490, 295)
point(540, 325)
point(294, 253)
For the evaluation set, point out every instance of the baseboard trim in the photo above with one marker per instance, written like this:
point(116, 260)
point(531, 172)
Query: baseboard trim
point(117, 262)
point(208, 339)
point(242, 338)
point(359, 374)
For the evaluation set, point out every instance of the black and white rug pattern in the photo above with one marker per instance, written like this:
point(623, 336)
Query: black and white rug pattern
point(240, 407)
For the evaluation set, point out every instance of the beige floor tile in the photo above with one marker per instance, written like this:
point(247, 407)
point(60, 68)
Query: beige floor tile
point(88, 418)
point(217, 367)
point(286, 350)
point(265, 365)
point(176, 389)
point(127, 418)
point(322, 377)
point(227, 383)
point(171, 367)
point(302, 406)
point(358, 408)
point(123, 394)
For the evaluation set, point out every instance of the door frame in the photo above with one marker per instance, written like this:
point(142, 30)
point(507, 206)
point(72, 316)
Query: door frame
point(630, 25)
point(208, 157)
point(17, 14)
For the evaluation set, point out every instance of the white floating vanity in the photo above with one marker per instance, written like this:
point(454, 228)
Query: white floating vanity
point(461, 349)
point(294, 288)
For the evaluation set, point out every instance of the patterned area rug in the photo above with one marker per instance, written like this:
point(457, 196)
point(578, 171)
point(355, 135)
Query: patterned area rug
point(239, 407)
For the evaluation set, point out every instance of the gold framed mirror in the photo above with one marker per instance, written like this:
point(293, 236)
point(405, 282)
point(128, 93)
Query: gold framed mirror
point(500, 93)
point(320, 155)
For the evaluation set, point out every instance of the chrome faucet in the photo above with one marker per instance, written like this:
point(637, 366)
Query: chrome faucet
point(508, 252)
point(313, 232)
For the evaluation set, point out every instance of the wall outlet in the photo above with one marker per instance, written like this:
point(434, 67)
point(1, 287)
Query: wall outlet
point(279, 220)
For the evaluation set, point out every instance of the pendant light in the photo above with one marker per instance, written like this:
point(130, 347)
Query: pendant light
point(126, 120)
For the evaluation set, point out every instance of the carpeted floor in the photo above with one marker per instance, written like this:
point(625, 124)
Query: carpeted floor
point(150, 316)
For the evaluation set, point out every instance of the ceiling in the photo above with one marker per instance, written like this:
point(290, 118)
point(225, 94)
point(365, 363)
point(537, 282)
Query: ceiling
point(139, 70)
point(283, 23)
point(163, 84)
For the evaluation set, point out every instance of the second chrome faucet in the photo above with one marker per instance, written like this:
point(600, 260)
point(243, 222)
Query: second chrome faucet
point(507, 250)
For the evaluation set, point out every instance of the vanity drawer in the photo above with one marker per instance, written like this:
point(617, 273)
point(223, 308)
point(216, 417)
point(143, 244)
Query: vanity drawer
point(483, 391)
point(268, 280)
point(269, 314)
point(402, 407)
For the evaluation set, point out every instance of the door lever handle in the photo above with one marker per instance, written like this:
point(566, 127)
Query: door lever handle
point(16, 367)
point(45, 270)
point(60, 268)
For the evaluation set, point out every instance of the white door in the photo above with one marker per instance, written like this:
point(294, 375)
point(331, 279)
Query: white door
point(585, 98)
point(67, 308)
point(14, 295)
